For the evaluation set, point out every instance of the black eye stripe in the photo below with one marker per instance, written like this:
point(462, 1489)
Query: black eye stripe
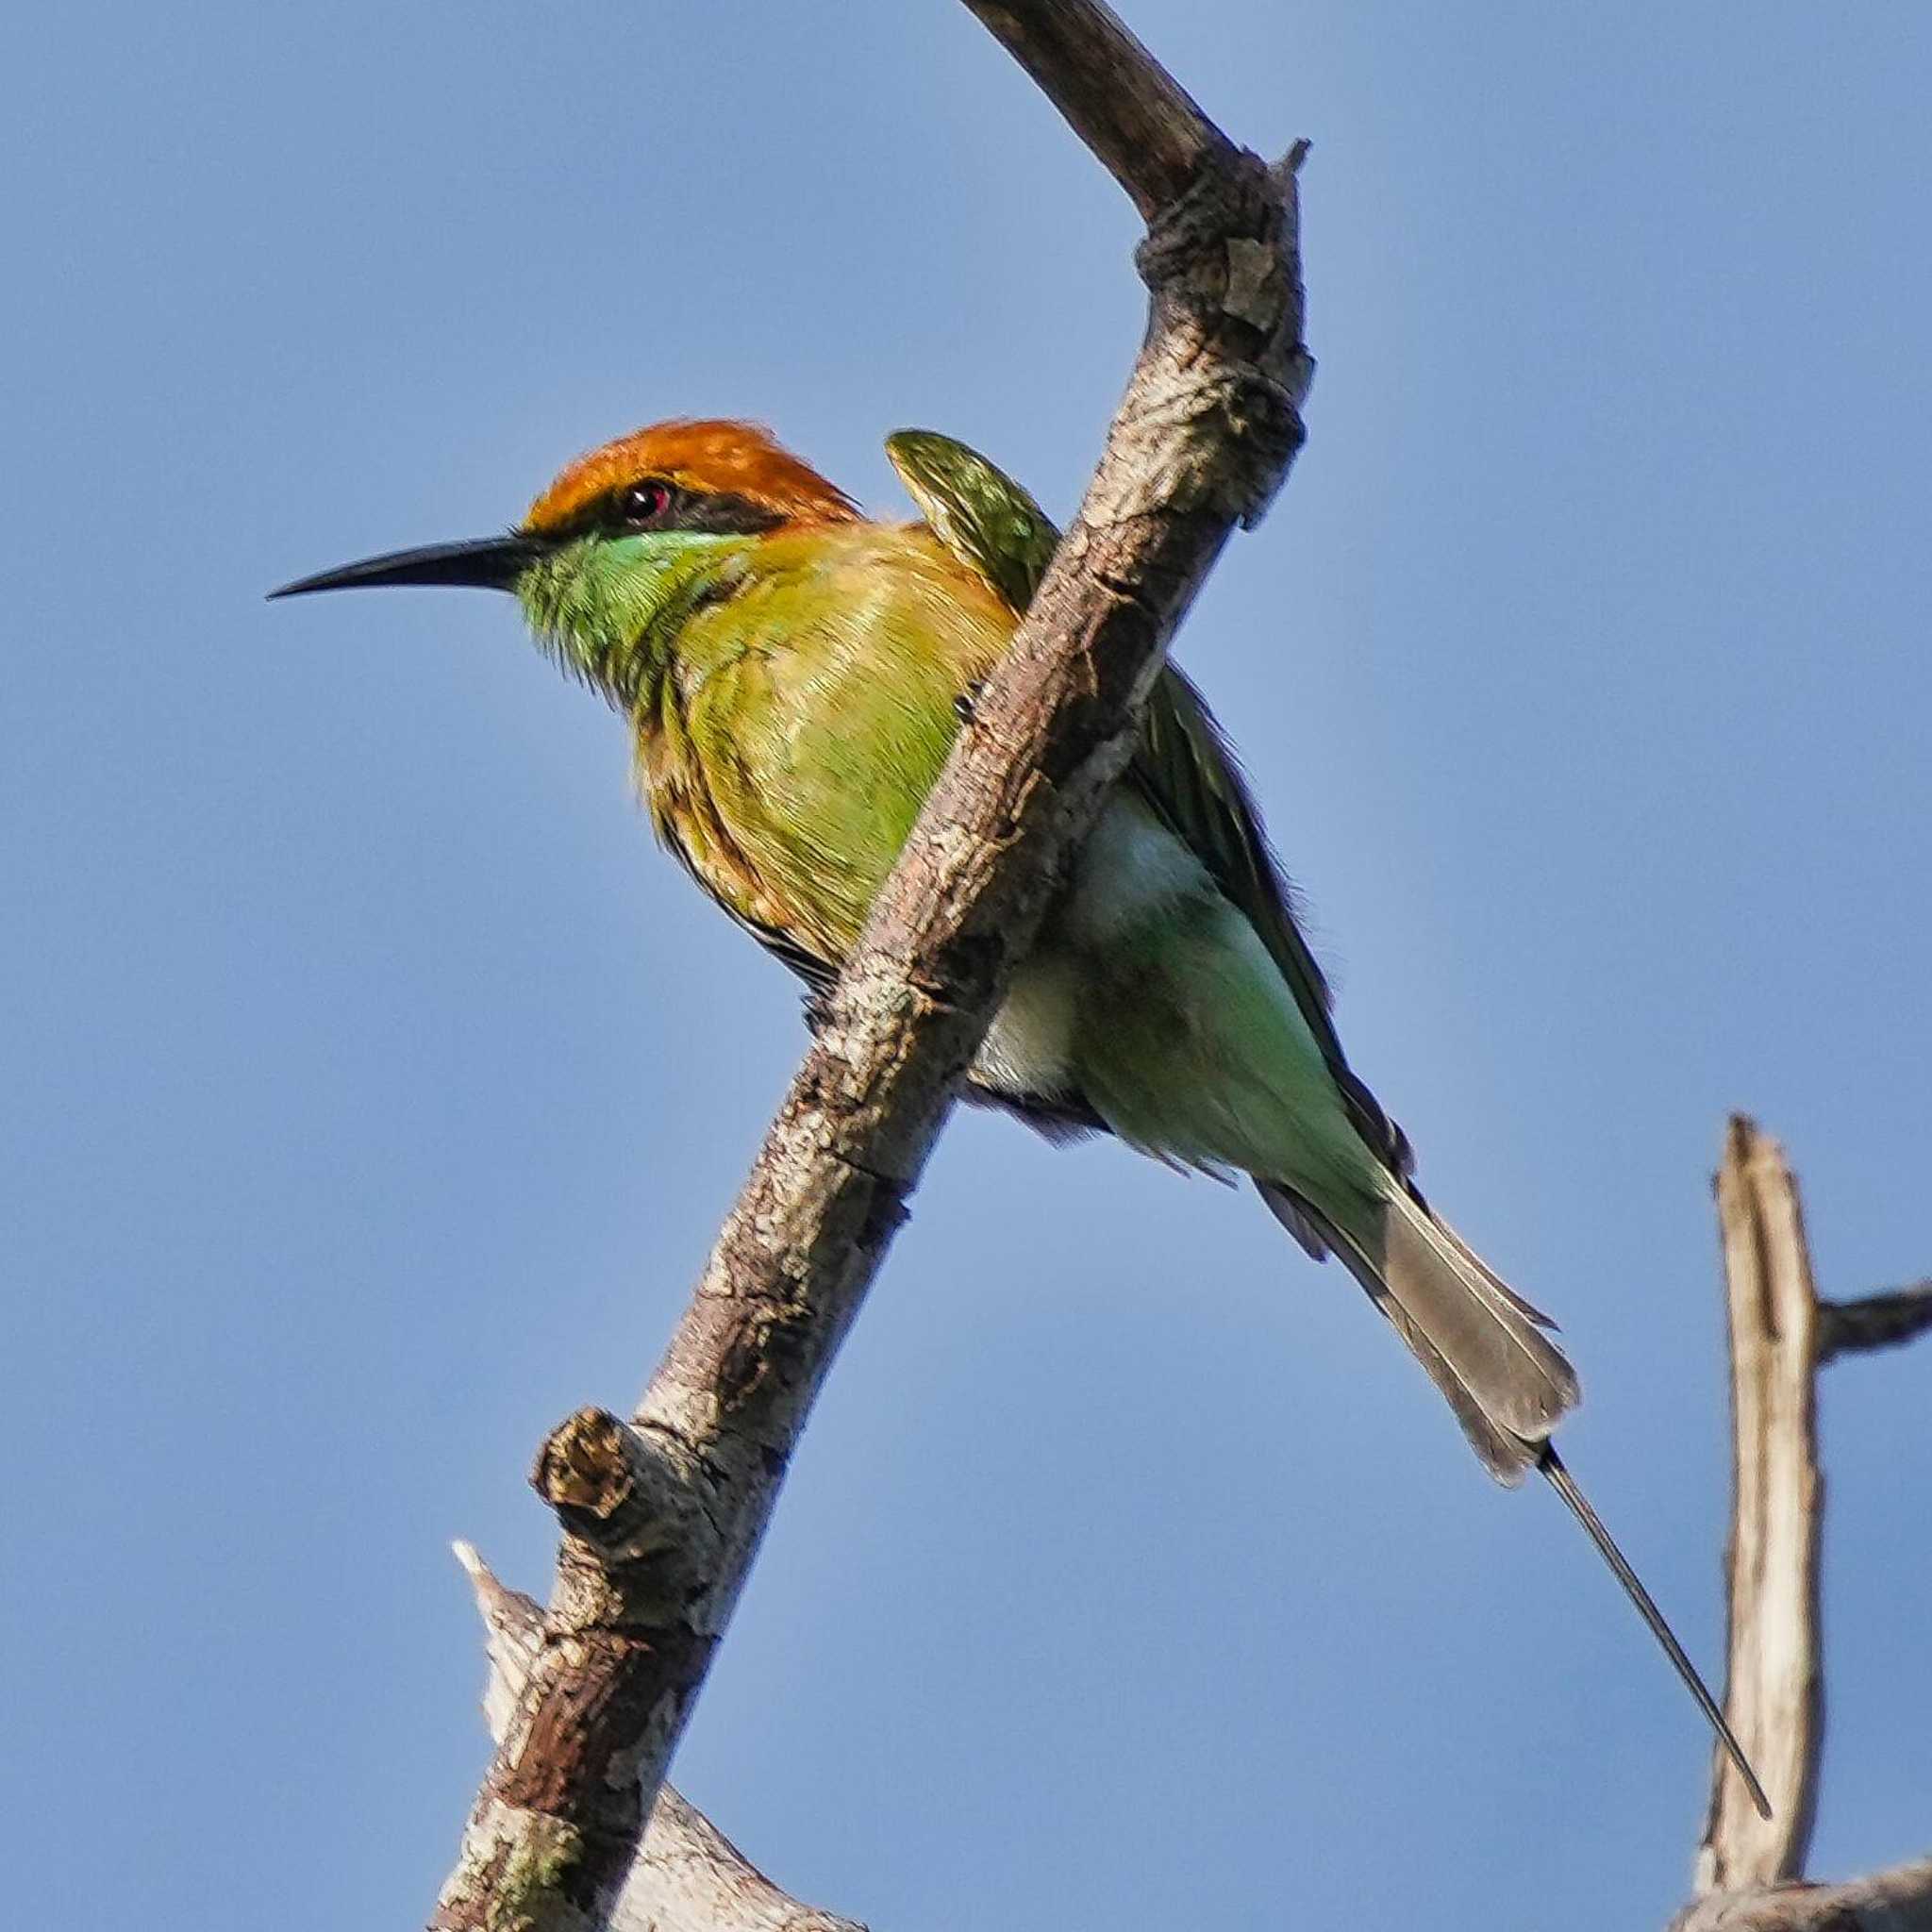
point(732, 515)
point(717, 513)
point(720, 513)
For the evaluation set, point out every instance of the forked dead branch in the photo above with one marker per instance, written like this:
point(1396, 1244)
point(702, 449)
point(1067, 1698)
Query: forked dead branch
point(1749, 1873)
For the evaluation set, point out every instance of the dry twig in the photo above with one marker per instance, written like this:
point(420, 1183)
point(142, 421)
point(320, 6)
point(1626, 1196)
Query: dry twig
point(1874, 1321)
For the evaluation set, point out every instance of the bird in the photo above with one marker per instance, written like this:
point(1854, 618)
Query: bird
point(793, 674)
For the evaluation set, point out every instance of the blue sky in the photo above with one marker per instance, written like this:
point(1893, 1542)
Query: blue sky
point(375, 1089)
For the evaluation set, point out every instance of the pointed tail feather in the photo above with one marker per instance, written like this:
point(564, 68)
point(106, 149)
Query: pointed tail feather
point(1508, 1384)
point(1560, 1479)
point(1482, 1344)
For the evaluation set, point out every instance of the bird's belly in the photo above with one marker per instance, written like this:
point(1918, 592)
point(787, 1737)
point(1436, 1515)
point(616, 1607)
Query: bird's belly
point(1028, 1050)
point(1130, 874)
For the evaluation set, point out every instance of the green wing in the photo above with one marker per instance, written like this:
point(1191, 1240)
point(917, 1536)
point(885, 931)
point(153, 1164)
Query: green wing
point(977, 511)
point(1183, 767)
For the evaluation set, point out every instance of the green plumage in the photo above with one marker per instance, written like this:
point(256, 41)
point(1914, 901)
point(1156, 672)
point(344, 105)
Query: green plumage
point(1183, 768)
point(793, 693)
point(793, 676)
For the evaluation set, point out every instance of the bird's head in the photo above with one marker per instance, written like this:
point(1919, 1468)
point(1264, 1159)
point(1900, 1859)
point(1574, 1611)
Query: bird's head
point(621, 535)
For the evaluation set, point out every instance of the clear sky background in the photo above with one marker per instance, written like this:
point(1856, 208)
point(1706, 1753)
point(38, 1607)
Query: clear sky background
point(372, 1089)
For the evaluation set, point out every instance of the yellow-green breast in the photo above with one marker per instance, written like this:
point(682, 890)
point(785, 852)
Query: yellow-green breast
point(805, 714)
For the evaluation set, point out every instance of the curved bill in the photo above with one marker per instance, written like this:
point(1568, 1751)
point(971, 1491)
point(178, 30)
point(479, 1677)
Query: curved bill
point(488, 564)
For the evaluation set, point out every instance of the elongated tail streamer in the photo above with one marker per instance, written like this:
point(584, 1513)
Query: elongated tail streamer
point(1560, 1479)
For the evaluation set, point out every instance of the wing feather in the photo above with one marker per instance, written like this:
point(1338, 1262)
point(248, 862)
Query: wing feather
point(1183, 767)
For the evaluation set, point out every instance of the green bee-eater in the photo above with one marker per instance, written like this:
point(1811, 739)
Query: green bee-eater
point(794, 675)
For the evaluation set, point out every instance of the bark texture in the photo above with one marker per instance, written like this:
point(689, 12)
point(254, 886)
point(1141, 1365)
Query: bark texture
point(662, 1513)
point(1899, 1900)
point(686, 1875)
point(1774, 1688)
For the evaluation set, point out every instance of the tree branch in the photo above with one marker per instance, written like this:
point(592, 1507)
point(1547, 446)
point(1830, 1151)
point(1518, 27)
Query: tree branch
point(1749, 1873)
point(687, 1876)
point(683, 1875)
point(1874, 1321)
point(1898, 1899)
point(662, 1515)
point(1774, 1688)
point(1140, 123)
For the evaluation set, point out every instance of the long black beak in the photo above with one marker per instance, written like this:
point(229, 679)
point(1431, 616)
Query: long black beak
point(489, 563)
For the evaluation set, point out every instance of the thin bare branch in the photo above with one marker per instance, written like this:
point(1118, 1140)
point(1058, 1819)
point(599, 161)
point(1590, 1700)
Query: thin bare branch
point(1773, 1690)
point(1139, 122)
point(663, 1514)
point(1874, 1320)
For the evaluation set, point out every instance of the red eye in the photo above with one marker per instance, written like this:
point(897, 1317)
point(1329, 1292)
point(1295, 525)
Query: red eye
point(644, 503)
